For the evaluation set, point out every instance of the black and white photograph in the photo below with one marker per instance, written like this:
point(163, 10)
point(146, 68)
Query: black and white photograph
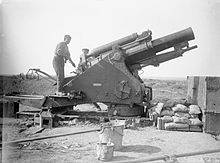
point(119, 81)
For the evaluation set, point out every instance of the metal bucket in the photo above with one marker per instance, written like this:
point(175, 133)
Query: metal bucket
point(105, 151)
point(112, 132)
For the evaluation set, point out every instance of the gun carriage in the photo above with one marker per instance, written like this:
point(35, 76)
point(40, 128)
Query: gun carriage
point(112, 76)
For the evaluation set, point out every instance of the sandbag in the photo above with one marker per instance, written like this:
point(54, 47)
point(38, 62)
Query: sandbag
point(181, 120)
point(180, 108)
point(173, 125)
point(195, 128)
point(182, 114)
point(194, 109)
point(195, 121)
point(182, 129)
point(167, 119)
point(167, 112)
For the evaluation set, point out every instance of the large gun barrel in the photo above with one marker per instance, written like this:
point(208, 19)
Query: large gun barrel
point(141, 49)
point(145, 50)
point(168, 41)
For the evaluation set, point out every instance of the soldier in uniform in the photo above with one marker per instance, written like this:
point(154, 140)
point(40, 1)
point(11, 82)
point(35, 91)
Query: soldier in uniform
point(62, 54)
point(82, 66)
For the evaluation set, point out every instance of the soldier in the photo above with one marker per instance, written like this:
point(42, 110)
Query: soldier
point(62, 54)
point(82, 66)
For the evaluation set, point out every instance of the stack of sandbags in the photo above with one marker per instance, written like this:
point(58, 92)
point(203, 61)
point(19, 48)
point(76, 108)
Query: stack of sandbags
point(178, 117)
point(185, 118)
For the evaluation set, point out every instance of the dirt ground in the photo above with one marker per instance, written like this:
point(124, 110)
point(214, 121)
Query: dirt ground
point(138, 143)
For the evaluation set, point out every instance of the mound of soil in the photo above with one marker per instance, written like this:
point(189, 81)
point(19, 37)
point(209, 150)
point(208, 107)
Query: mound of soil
point(12, 84)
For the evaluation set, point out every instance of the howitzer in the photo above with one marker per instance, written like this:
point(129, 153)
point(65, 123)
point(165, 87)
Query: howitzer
point(112, 76)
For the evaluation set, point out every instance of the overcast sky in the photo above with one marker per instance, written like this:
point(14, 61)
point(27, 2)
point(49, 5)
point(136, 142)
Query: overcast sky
point(31, 30)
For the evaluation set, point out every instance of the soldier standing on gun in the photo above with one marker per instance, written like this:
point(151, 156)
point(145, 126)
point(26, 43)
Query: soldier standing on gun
point(62, 54)
point(82, 66)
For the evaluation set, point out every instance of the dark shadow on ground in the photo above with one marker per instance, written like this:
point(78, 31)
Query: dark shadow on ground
point(147, 149)
point(141, 149)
